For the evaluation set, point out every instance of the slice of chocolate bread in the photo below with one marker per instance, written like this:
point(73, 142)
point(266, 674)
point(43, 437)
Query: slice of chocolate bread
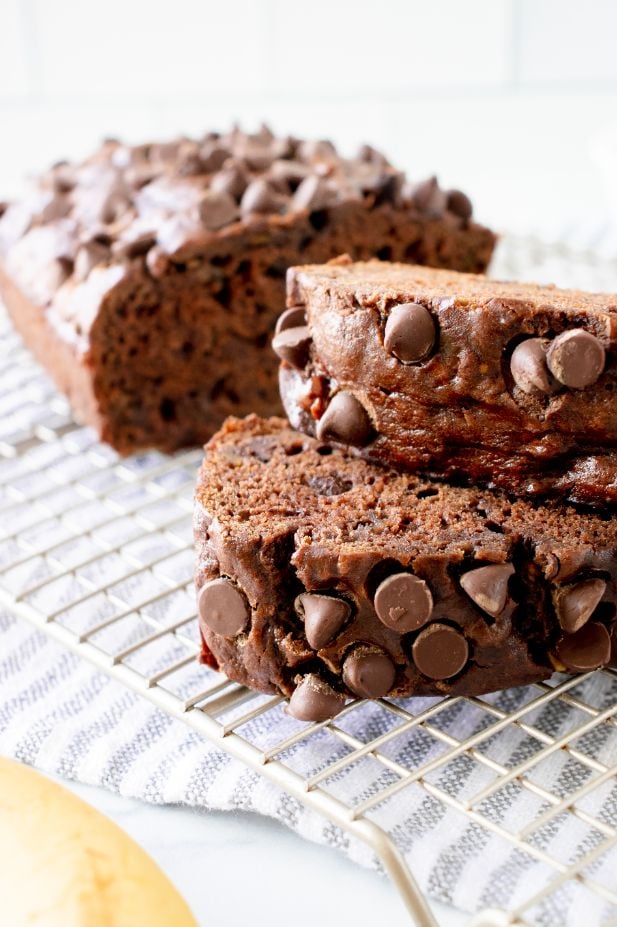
point(148, 279)
point(323, 576)
point(458, 376)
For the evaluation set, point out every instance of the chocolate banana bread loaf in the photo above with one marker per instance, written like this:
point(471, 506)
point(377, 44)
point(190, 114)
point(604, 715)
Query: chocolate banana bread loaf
point(322, 576)
point(148, 279)
point(457, 376)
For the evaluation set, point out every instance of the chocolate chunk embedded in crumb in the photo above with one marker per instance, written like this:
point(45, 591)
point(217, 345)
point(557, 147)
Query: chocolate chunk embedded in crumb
point(576, 359)
point(440, 651)
point(576, 604)
point(403, 602)
point(529, 368)
point(369, 672)
point(487, 586)
point(345, 420)
point(293, 345)
point(409, 333)
point(587, 649)
point(222, 607)
point(324, 616)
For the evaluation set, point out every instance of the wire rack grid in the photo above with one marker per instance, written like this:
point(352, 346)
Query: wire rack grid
point(96, 552)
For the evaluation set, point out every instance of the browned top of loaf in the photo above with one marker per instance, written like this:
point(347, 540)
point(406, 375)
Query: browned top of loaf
point(379, 283)
point(261, 478)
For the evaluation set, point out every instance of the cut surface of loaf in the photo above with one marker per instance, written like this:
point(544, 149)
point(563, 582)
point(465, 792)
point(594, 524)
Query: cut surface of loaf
point(459, 376)
point(147, 279)
point(322, 576)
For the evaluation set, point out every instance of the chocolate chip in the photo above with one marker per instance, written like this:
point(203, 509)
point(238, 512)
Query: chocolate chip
point(586, 649)
point(427, 197)
point(52, 275)
point(384, 184)
point(487, 586)
point(291, 318)
point(459, 204)
point(370, 155)
point(440, 651)
point(232, 181)
point(324, 617)
point(190, 164)
point(313, 193)
point(312, 150)
point(178, 232)
point(328, 484)
point(213, 157)
point(314, 700)
point(165, 151)
point(345, 420)
point(369, 672)
point(217, 210)
point(529, 369)
point(222, 607)
point(258, 156)
point(576, 604)
point(410, 332)
point(292, 345)
point(287, 175)
point(259, 197)
point(403, 602)
point(57, 206)
point(89, 255)
point(576, 358)
point(136, 244)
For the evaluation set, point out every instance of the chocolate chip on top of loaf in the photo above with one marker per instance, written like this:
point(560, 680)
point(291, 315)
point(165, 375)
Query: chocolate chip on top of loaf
point(148, 278)
point(323, 577)
point(456, 375)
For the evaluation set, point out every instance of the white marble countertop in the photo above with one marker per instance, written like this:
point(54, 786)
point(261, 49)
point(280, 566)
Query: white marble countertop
point(234, 868)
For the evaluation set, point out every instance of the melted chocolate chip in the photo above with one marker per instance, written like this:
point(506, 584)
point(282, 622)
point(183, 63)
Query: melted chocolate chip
point(403, 602)
point(314, 700)
point(345, 420)
point(410, 333)
point(369, 672)
point(222, 607)
point(293, 345)
point(576, 604)
point(586, 649)
point(529, 368)
point(487, 586)
point(440, 651)
point(576, 358)
point(291, 318)
point(324, 616)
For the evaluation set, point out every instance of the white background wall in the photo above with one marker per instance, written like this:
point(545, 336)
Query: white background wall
point(502, 97)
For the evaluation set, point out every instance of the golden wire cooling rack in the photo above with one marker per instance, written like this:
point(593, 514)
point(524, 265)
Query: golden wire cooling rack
point(96, 552)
